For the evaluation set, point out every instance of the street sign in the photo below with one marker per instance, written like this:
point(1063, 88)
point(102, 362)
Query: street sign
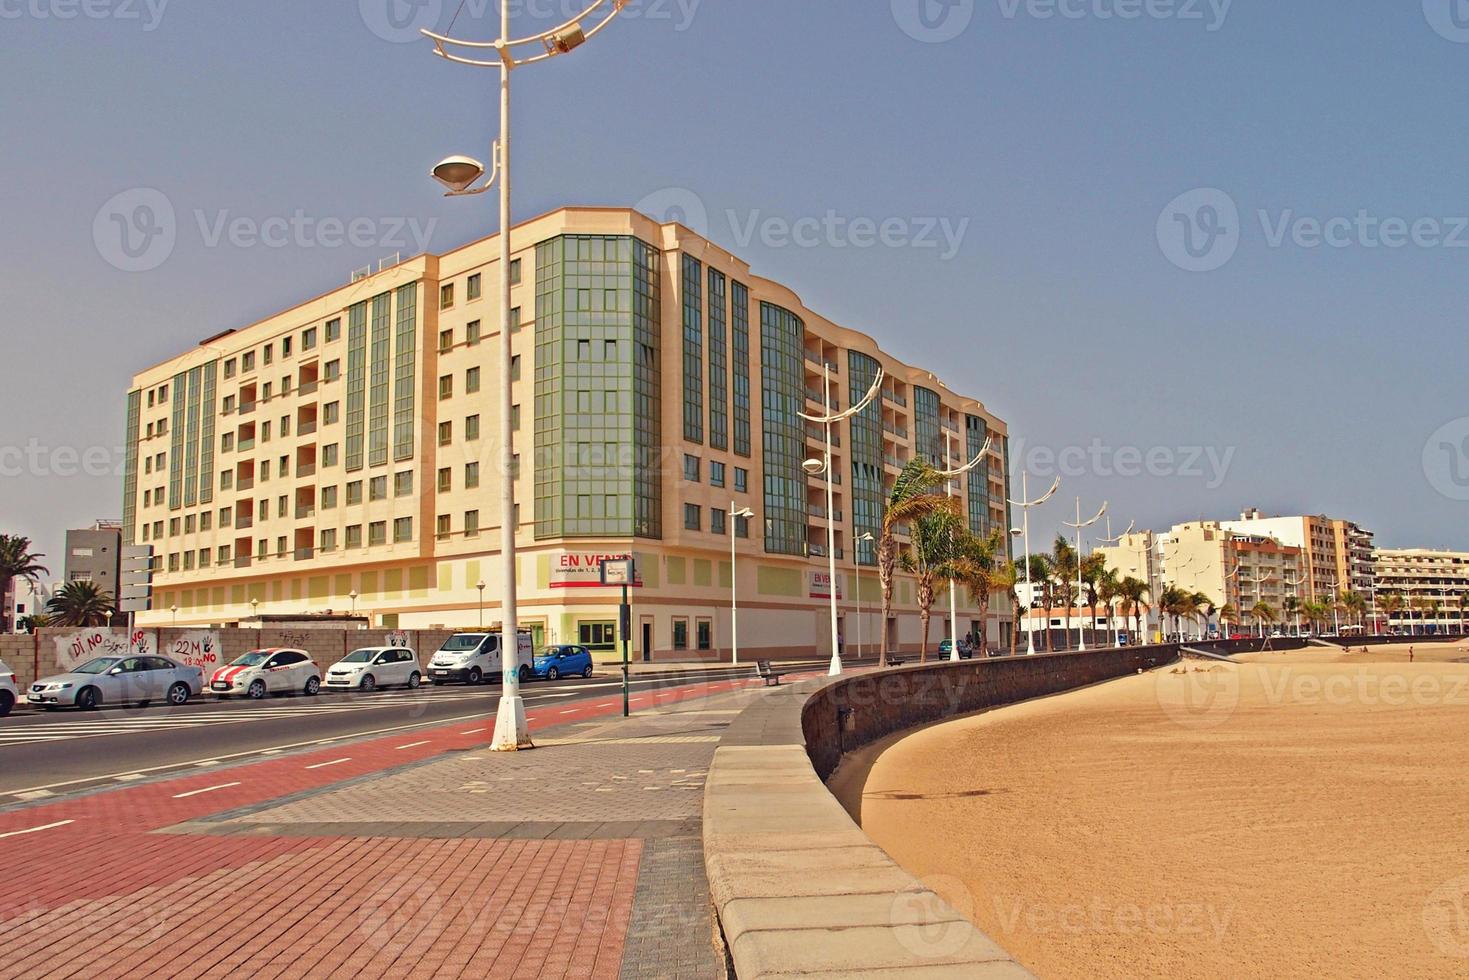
point(618, 571)
point(135, 578)
point(623, 572)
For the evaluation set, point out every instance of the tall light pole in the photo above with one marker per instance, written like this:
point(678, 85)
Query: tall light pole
point(1293, 586)
point(1025, 504)
point(735, 514)
point(480, 585)
point(864, 538)
point(823, 465)
point(949, 477)
point(459, 174)
point(350, 595)
point(1081, 629)
point(1112, 542)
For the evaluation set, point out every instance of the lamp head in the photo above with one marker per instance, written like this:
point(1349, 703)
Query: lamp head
point(458, 173)
point(814, 466)
point(1016, 532)
point(567, 39)
point(744, 512)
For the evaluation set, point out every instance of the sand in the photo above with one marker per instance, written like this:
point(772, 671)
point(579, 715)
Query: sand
point(1287, 818)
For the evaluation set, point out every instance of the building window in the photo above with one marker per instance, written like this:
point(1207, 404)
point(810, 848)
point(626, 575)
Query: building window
point(693, 349)
point(446, 296)
point(446, 387)
point(471, 333)
point(473, 287)
point(680, 634)
point(403, 529)
point(229, 372)
point(377, 488)
point(716, 520)
point(471, 427)
point(515, 319)
point(446, 340)
point(471, 381)
point(329, 454)
point(308, 338)
point(247, 361)
point(269, 355)
point(329, 539)
point(354, 493)
point(377, 533)
point(403, 483)
point(716, 473)
point(441, 527)
point(742, 527)
point(514, 272)
point(471, 475)
point(328, 497)
point(333, 330)
point(332, 370)
point(285, 347)
point(354, 536)
point(515, 418)
point(471, 523)
point(692, 517)
point(742, 480)
point(690, 468)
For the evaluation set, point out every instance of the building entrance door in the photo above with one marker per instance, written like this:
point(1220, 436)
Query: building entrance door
point(647, 647)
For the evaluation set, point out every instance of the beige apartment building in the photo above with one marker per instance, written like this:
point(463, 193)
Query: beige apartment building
point(342, 455)
point(1434, 586)
point(1338, 553)
point(1235, 568)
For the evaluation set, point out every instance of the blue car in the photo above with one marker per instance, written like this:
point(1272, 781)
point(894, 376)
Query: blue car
point(562, 661)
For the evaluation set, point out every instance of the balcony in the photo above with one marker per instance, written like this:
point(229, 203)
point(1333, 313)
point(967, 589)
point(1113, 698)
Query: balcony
point(305, 470)
point(304, 511)
point(895, 430)
point(306, 428)
point(814, 395)
point(243, 521)
point(245, 445)
point(894, 398)
point(304, 554)
point(892, 461)
point(245, 483)
point(818, 434)
point(307, 388)
point(243, 561)
point(247, 407)
point(812, 357)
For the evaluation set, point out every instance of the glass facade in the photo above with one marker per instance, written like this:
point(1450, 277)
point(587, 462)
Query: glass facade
point(356, 385)
point(130, 469)
point(718, 363)
point(740, 347)
point(979, 478)
point(597, 384)
point(207, 415)
point(405, 355)
point(377, 390)
point(176, 442)
point(693, 350)
point(928, 441)
point(783, 432)
point(191, 435)
point(866, 442)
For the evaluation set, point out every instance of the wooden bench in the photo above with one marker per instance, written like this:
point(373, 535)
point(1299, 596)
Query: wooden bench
point(770, 676)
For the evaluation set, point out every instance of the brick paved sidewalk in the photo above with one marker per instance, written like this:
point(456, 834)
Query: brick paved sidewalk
point(580, 859)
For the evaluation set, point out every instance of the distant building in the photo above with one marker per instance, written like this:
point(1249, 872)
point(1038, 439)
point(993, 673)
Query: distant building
point(1240, 569)
point(93, 555)
point(26, 598)
point(1338, 553)
point(1434, 586)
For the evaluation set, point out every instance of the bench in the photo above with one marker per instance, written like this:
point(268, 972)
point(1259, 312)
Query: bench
point(771, 677)
point(895, 660)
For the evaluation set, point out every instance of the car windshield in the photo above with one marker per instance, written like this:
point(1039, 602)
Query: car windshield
point(558, 651)
point(359, 657)
point(252, 659)
point(98, 666)
point(465, 641)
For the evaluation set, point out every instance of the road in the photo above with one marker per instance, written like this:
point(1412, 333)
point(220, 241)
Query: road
point(44, 754)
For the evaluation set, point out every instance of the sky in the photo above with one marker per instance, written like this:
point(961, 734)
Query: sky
point(1200, 255)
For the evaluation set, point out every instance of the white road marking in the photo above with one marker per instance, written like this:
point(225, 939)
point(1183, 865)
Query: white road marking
point(33, 830)
point(207, 789)
point(334, 762)
point(39, 794)
point(474, 731)
point(413, 745)
point(128, 777)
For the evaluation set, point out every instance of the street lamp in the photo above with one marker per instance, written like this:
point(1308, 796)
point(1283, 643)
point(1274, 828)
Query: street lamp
point(1025, 504)
point(255, 608)
point(949, 476)
point(823, 465)
point(1112, 542)
point(458, 175)
point(864, 538)
point(736, 514)
point(175, 610)
point(1081, 629)
point(481, 586)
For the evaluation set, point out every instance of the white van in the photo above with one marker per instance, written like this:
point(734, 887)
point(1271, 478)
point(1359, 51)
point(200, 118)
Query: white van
point(473, 658)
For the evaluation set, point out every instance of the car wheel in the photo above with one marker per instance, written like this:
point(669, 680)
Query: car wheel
point(587, 671)
point(553, 674)
point(88, 698)
point(7, 701)
point(474, 676)
point(414, 680)
point(525, 673)
point(313, 687)
point(257, 690)
point(367, 683)
point(178, 694)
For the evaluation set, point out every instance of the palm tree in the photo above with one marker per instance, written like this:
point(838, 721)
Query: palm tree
point(34, 622)
point(914, 495)
point(936, 542)
point(1063, 574)
point(1173, 602)
point(1355, 604)
point(16, 562)
point(1093, 570)
point(1040, 575)
point(978, 567)
point(1134, 593)
point(1227, 614)
point(80, 604)
point(1004, 578)
point(1291, 607)
point(1109, 590)
point(1264, 614)
point(1204, 609)
point(1316, 612)
point(1391, 603)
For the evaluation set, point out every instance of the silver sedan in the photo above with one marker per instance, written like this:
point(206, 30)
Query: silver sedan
point(118, 680)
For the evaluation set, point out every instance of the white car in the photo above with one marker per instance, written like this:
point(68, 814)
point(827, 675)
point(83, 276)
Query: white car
point(8, 694)
point(475, 657)
point(374, 667)
point(273, 671)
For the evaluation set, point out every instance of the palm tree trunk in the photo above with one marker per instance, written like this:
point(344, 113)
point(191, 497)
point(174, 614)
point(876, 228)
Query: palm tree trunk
point(925, 612)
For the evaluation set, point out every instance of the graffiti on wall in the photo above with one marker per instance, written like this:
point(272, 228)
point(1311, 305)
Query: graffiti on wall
point(79, 646)
point(199, 648)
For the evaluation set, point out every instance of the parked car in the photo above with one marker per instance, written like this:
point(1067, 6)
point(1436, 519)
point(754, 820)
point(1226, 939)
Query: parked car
point(118, 680)
point(8, 694)
point(374, 667)
point(273, 671)
point(473, 658)
point(562, 661)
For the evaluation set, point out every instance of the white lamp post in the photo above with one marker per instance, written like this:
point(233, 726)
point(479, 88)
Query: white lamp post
point(949, 477)
point(1081, 629)
point(1112, 542)
point(480, 585)
point(736, 513)
point(350, 595)
point(1025, 504)
point(863, 538)
point(459, 174)
point(823, 465)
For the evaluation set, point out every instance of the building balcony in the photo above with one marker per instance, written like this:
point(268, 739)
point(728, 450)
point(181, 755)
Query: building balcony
point(245, 445)
point(895, 430)
point(894, 398)
point(247, 407)
point(304, 511)
point(245, 483)
point(307, 388)
point(817, 433)
point(244, 521)
point(812, 357)
point(304, 554)
point(305, 469)
point(306, 428)
point(244, 561)
point(814, 395)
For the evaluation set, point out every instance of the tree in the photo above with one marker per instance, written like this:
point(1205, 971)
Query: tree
point(1040, 577)
point(979, 568)
point(1093, 570)
point(1134, 593)
point(914, 494)
point(1264, 614)
point(1291, 607)
point(1355, 605)
point(16, 562)
point(80, 604)
point(1391, 603)
point(1063, 574)
point(1227, 614)
point(1204, 609)
point(1004, 578)
point(35, 621)
point(936, 543)
point(1109, 590)
point(1174, 602)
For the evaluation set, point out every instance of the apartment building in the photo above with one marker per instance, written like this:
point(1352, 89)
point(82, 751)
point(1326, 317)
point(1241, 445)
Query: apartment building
point(94, 554)
point(1434, 586)
point(1338, 553)
point(342, 455)
point(1233, 567)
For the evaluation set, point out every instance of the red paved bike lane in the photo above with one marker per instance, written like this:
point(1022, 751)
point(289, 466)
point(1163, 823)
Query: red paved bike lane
point(93, 890)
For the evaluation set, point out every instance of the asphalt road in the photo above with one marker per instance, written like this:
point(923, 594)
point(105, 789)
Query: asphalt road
point(50, 753)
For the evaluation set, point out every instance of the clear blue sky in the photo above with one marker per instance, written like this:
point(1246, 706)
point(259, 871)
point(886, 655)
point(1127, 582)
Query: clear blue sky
point(1055, 144)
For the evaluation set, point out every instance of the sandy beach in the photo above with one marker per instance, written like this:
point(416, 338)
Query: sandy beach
point(1302, 814)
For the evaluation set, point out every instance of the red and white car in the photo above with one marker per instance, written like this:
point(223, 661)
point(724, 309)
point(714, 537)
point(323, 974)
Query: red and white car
point(272, 671)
